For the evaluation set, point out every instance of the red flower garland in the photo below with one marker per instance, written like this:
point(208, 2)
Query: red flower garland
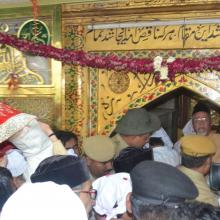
point(111, 62)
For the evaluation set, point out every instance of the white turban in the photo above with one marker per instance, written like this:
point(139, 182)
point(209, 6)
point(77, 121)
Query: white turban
point(111, 194)
point(16, 162)
point(41, 201)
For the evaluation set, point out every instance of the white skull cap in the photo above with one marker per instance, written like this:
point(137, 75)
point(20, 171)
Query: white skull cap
point(111, 194)
point(46, 200)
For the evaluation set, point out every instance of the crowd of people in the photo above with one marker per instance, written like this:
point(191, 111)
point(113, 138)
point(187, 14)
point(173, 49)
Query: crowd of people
point(137, 174)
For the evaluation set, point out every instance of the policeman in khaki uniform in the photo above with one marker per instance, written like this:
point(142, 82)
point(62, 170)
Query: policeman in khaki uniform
point(197, 153)
point(99, 152)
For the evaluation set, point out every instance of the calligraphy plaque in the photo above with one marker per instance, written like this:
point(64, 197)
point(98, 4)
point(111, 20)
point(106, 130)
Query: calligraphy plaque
point(35, 31)
point(155, 37)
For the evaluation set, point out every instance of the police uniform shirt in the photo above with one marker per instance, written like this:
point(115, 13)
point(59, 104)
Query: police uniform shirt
point(205, 193)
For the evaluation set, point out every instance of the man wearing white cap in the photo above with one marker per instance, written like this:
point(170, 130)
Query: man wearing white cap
point(69, 170)
point(40, 201)
point(112, 205)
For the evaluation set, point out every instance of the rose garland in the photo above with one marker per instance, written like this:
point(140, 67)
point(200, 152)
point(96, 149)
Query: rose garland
point(166, 69)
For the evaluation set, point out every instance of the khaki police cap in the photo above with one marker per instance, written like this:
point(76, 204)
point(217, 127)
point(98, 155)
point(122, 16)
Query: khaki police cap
point(99, 148)
point(197, 146)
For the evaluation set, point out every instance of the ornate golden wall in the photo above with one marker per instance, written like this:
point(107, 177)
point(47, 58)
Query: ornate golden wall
point(40, 90)
point(96, 98)
point(89, 100)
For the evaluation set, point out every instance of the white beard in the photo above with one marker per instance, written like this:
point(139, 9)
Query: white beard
point(202, 132)
point(34, 144)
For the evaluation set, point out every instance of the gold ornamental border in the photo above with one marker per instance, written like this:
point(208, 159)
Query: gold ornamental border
point(130, 4)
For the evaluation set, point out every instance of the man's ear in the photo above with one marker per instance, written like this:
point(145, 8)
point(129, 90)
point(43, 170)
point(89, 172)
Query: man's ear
point(88, 160)
point(128, 203)
point(206, 166)
point(208, 162)
point(15, 183)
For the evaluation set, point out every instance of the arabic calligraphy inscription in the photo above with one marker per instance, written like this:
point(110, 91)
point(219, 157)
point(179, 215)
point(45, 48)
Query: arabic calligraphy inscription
point(154, 37)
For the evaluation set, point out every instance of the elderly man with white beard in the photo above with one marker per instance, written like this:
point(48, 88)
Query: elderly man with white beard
point(200, 124)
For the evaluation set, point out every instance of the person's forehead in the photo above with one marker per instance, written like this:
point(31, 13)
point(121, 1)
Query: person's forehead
point(144, 135)
point(201, 115)
point(71, 141)
point(95, 162)
point(104, 162)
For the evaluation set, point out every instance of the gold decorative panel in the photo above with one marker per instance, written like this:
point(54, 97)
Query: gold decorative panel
point(42, 107)
point(137, 4)
point(39, 89)
point(31, 70)
point(103, 96)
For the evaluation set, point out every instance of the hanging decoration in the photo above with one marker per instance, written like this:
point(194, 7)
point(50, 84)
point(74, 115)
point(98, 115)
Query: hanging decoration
point(13, 81)
point(35, 13)
point(34, 29)
point(112, 62)
point(161, 68)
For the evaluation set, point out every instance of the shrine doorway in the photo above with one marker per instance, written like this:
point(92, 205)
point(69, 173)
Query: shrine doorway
point(175, 109)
